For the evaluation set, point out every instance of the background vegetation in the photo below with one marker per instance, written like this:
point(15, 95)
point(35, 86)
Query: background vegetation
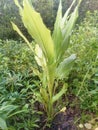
point(9, 12)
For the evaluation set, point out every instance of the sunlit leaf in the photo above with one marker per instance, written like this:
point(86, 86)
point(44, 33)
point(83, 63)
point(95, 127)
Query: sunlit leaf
point(39, 56)
point(57, 34)
point(37, 29)
point(65, 66)
point(20, 33)
point(65, 17)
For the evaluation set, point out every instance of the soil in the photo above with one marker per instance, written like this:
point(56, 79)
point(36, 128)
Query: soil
point(63, 120)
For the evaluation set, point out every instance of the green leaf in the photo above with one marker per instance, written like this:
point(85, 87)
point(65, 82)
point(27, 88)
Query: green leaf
point(62, 30)
point(65, 17)
point(3, 125)
point(60, 93)
point(57, 34)
point(65, 66)
point(37, 29)
point(69, 24)
point(20, 33)
point(44, 94)
point(39, 57)
point(17, 112)
point(7, 109)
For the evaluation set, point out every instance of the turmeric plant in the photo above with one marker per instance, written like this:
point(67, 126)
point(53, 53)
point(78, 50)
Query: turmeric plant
point(49, 50)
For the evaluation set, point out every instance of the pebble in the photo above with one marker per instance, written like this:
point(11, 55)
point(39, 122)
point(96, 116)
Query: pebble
point(81, 126)
point(88, 126)
point(96, 128)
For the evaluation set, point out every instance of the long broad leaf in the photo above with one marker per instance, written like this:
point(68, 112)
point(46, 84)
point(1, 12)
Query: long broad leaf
point(62, 30)
point(37, 29)
point(66, 32)
point(65, 17)
point(65, 66)
point(57, 34)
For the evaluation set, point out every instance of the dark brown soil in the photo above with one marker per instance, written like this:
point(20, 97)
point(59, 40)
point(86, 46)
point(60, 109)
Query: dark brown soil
point(62, 120)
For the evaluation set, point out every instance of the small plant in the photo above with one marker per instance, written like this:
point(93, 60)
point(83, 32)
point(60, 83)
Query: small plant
point(49, 51)
point(7, 110)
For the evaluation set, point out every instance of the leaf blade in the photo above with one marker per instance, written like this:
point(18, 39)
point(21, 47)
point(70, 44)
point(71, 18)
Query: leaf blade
point(57, 34)
point(35, 26)
point(60, 93)
point(65, 66)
